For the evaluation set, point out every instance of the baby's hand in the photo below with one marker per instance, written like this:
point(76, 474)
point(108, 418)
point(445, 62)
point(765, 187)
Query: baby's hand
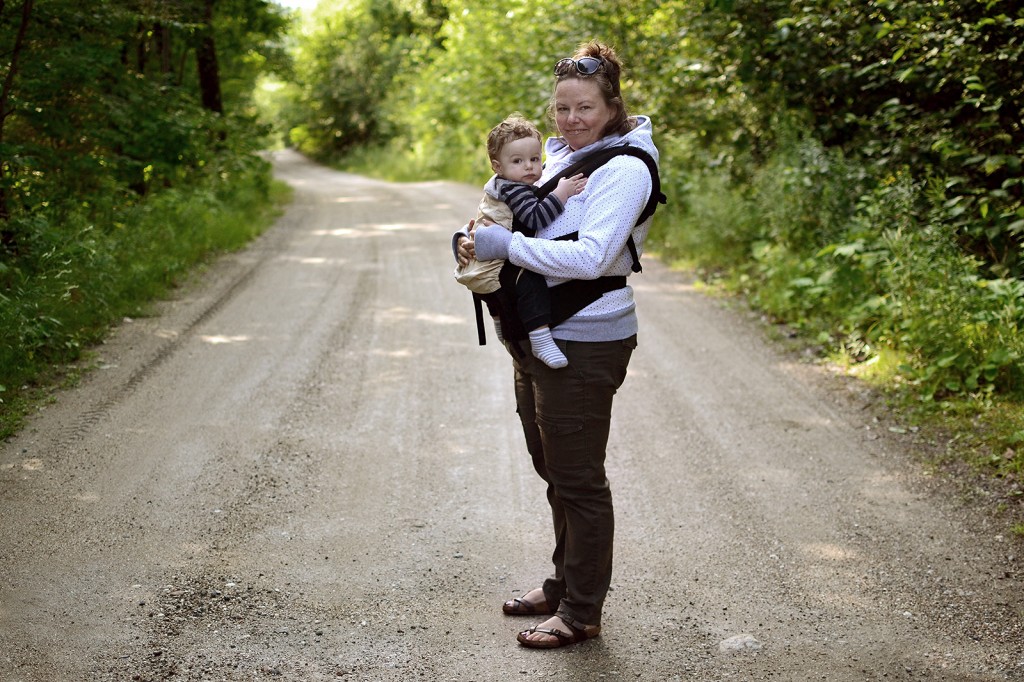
point(570, 187)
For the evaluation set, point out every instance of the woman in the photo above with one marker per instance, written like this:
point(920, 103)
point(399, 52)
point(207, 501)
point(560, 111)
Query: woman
point(566, 412)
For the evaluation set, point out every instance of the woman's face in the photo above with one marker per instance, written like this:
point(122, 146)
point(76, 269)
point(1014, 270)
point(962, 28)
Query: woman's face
point(581, 113)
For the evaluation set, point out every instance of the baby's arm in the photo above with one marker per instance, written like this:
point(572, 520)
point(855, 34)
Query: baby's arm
point(569, 187)
point(534, 213)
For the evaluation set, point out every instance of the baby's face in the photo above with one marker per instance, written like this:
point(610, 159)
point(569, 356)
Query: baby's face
point(519, 161)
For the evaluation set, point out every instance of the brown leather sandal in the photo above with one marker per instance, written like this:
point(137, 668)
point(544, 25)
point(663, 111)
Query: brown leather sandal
point(521, 607)
point(578, 634)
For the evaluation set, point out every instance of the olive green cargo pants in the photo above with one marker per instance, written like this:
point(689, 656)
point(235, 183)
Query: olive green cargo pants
point(566, 415)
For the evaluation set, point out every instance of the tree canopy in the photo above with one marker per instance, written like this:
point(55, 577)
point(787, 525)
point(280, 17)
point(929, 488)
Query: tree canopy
point(108, 111)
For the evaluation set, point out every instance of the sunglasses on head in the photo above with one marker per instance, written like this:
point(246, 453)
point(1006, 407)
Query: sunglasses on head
point(585, 66)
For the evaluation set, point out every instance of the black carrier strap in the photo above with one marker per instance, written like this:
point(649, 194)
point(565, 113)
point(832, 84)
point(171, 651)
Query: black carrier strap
point(595, 160)
point(570, 297)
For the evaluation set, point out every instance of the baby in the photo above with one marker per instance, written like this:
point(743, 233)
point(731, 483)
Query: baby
point(514, 149)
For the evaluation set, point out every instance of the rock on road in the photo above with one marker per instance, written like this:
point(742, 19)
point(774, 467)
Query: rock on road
point(305, 468)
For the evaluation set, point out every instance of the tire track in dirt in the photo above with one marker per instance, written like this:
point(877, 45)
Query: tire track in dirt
point(264, 249)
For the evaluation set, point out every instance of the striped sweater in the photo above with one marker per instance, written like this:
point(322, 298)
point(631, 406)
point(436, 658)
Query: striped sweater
point(532, 212)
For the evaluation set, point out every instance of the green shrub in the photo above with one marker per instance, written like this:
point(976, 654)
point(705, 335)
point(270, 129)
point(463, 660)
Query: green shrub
point(813, 241)
point(709, 227)
point(960, 329)
point(91, 267)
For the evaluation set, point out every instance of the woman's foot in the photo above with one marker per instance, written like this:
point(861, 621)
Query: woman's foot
point(533, 603)
point(557, 632)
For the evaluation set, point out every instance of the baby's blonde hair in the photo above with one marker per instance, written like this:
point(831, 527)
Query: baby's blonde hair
point(514, 127)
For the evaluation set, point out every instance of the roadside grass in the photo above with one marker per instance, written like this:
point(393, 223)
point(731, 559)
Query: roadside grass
point(983, 440)
point(980, 433)
point(975, 441)
point(65, 303)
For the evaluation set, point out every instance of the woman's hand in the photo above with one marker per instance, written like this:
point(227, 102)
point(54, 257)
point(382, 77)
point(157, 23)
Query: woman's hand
point(466, 249)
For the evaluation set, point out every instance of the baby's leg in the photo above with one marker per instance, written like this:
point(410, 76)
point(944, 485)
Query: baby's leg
point(533, 303)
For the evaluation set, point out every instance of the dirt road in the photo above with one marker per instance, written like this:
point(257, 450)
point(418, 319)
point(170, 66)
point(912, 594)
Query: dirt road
point(305, 468)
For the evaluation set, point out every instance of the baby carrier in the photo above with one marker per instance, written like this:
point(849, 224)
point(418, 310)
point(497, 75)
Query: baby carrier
point(570, 297)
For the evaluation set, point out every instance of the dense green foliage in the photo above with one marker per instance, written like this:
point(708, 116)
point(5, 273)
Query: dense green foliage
point(127, 153)
point(346, 65)
point(907, 231)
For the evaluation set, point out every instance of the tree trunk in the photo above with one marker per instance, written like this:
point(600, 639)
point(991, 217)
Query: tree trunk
point(141, 49)
point(163, 46)
point(206, 61)
point(7, 237)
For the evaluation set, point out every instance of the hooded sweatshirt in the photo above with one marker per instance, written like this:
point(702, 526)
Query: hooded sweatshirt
point(604, 215)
